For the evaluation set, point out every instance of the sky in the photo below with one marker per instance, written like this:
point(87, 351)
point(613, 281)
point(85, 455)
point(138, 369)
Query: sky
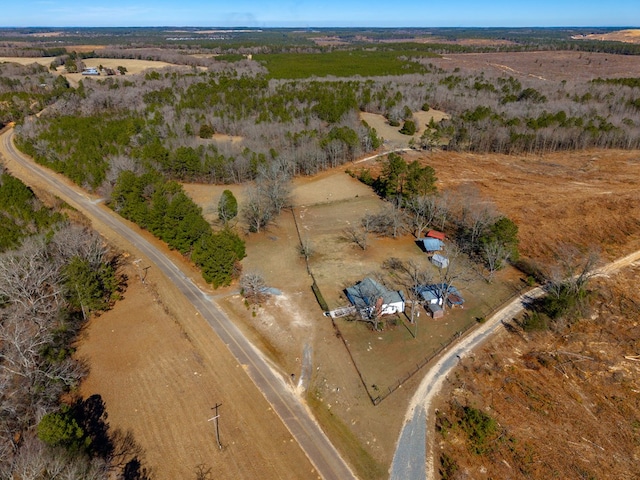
point(325, 13)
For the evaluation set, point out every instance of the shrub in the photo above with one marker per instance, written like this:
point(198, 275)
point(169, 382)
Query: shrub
point(206, 131)
point(448, 467)
point(534, 322)
point(409, 128)
point(479, 426)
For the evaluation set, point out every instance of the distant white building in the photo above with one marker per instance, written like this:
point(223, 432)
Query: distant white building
point(90, 71)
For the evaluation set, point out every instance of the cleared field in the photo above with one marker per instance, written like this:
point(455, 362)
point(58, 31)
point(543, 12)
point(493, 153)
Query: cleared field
point(392, 136)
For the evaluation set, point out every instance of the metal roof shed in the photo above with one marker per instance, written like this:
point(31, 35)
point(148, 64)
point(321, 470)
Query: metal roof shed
point(435, 310)
point(431, 244)
point(436, 234)
point(440, 261)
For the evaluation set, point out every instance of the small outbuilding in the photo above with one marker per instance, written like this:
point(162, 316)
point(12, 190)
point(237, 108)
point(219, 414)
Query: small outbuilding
point(90, 71)
point(440, 261)
point(371, 298)
point(436, 234)
point(435, 311)
point(431, 245)
point(430, 295)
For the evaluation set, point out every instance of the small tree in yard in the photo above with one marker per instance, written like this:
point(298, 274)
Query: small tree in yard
point(358, 235)
point(256, 211)
point(254, 288)
point(227, 206)
point(499, 244)
point(269, 196)
point(389, 222)
point(495, 255)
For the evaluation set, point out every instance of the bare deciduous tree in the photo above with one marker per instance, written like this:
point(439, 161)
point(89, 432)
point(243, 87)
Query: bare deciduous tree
point(422, 211)
point(411, 275)
point(358, 235)
point(254, 288)
point(495, 254)
point(256, 211)
point(573, 269)
point(203, 472)
point(475, 215)
point(389, 221)
point(274, 183)
point(269, 196)
point(28, 279)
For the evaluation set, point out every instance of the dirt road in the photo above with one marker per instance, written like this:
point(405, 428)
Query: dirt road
point(414, 454)
point(289, 408)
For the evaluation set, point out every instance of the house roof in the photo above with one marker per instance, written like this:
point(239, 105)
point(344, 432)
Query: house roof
point(365, 293)
point(431, 244)
point(433, 291)
point(436, 234)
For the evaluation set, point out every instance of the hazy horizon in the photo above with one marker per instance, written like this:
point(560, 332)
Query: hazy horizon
point(329, 14)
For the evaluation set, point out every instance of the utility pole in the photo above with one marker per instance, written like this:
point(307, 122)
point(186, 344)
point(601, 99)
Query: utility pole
point(215, 420)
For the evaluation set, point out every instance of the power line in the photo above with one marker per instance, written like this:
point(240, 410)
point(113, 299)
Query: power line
point(215, 420)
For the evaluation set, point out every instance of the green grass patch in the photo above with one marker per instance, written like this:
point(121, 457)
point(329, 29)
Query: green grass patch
point(343, 63)
point(321, 301)
point(363, 462)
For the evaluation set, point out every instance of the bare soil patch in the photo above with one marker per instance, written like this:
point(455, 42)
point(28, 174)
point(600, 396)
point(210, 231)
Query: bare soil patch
point(628, 36)
point(552, 66)
point(160, 369)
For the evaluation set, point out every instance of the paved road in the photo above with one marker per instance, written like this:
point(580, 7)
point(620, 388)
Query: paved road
point(322, 454)
point(410, 461)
